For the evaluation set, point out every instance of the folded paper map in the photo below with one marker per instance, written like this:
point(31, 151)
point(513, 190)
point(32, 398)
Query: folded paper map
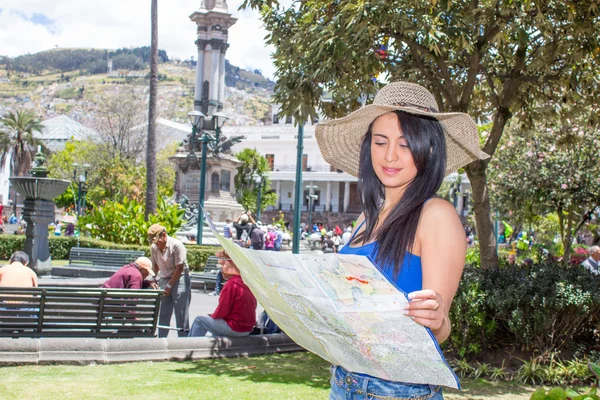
point(343, 309)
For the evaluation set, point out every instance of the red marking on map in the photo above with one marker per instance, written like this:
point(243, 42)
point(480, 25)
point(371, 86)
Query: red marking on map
point(353, 278)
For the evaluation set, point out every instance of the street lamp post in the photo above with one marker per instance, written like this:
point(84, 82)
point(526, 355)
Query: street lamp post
point(311, 198)
point(81, 187)
point(258, 179)
point(197, 119)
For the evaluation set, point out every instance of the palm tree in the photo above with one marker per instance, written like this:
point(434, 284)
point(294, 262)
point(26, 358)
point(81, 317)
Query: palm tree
point(17, 143)
point(151, 150)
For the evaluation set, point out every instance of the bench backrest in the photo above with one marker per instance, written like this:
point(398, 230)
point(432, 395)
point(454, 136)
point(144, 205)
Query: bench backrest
point(78, 312)
point(102, 257)
point(212, 265)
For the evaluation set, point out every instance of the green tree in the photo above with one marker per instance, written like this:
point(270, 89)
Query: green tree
point(550, 169)
point(487, 58)
point(110, 177)
point(17, 143)
point(253, 164)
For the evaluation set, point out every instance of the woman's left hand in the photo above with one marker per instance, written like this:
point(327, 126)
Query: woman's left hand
point(426, 308)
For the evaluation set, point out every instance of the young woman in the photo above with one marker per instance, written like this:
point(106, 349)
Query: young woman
point(400, 148)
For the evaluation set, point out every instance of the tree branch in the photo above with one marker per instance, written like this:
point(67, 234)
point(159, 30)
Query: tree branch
point(447, 88)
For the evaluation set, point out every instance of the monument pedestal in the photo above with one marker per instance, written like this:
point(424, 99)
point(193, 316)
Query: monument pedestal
point(38, 214)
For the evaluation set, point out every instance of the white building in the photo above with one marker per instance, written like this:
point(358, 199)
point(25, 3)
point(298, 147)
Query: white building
point(335, 190)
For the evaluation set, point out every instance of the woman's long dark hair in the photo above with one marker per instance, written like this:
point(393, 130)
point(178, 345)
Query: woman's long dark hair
point(396, 236)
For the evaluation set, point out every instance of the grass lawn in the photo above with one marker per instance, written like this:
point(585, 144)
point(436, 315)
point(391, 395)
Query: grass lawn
point(280, 376)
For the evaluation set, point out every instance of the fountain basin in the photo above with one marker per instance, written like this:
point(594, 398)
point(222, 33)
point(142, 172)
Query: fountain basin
point(35, 188)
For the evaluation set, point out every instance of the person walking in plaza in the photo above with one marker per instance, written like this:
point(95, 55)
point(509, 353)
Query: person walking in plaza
point(236, 313)
point(169, 257)
point(132, 276)
point(17, 273)
point(270, 238)
point(279, 237)
point(400, 148)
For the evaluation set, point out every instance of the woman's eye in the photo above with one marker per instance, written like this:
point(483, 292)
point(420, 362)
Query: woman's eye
point(380, 143)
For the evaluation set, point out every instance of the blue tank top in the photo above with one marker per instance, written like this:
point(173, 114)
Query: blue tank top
point(409, 279)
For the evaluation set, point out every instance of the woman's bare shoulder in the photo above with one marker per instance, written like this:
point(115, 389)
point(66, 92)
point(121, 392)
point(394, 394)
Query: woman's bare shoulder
point(439, 213)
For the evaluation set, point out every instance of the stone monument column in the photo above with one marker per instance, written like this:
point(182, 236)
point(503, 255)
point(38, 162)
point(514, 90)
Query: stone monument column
point(213, 20)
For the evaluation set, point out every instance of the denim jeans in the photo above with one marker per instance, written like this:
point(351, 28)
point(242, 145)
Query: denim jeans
point(217, 327)
point(351, 386)
point(179, 300)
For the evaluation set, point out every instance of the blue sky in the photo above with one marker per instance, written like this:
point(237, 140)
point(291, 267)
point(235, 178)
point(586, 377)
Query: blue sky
point(29, 26)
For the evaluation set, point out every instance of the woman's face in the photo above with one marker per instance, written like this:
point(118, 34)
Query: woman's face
point(391, 157)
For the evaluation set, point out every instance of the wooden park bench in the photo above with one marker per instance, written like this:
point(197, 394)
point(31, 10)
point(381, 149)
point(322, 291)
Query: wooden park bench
point(95, 263)
point(78, 312)
point(209, 275)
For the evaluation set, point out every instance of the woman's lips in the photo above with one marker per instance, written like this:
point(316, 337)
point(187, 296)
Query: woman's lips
point(391, 171)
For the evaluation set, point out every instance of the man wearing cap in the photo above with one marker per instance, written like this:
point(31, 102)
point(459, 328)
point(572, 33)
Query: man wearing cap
point(132, 276)
point(169, 258)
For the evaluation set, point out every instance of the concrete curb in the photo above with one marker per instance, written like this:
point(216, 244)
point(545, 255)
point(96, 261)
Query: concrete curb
point(106, 351)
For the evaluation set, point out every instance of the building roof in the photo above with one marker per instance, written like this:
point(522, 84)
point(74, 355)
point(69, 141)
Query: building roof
point(58, 130)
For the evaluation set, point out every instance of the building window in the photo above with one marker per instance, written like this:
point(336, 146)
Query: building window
point(288, 119)
point(304, 162)
point(275, 118)
point(270, 161)
point(225, 180)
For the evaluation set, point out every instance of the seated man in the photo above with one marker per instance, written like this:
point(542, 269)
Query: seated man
point(236, 313)
point(17, 273)
point(132, 276)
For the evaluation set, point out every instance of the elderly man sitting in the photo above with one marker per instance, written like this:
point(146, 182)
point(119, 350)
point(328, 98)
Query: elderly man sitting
point(236, 313)
point(132, 276)
point(593, 261)
point(17, 273)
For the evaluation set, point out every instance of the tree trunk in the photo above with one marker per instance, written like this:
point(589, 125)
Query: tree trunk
point(476, 171)
point(151, 149)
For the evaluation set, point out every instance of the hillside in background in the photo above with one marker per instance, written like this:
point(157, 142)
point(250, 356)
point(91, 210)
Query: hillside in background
point(95, 61)
point(75, 81)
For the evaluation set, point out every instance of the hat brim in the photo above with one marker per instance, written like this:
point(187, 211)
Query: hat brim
point(340, 139)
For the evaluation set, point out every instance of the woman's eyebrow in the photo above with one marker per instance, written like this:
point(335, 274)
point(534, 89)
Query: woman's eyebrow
point(385, 136)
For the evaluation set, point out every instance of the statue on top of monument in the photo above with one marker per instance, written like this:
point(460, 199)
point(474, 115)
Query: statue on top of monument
point(223, 145)
point(214, 4)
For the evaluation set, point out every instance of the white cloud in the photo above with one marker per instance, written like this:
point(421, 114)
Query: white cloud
point(125, 23)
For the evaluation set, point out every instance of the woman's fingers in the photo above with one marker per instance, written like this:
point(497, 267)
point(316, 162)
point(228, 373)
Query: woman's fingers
point(423, 294)
point(425, 308)
point(429, 304)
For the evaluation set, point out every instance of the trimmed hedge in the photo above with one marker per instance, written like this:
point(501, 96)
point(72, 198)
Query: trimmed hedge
point(60, 247)
point(542, 308)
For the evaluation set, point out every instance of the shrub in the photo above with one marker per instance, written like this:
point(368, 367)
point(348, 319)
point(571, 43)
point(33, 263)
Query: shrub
point(544, 306)
point(124, 222)
point(541, 308)
point(472, 323)
point(60, 247)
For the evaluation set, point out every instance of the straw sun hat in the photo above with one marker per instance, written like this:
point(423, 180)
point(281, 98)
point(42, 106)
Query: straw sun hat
point(340, 139)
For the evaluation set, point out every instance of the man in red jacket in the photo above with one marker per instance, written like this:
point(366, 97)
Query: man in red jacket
point(236, 313)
